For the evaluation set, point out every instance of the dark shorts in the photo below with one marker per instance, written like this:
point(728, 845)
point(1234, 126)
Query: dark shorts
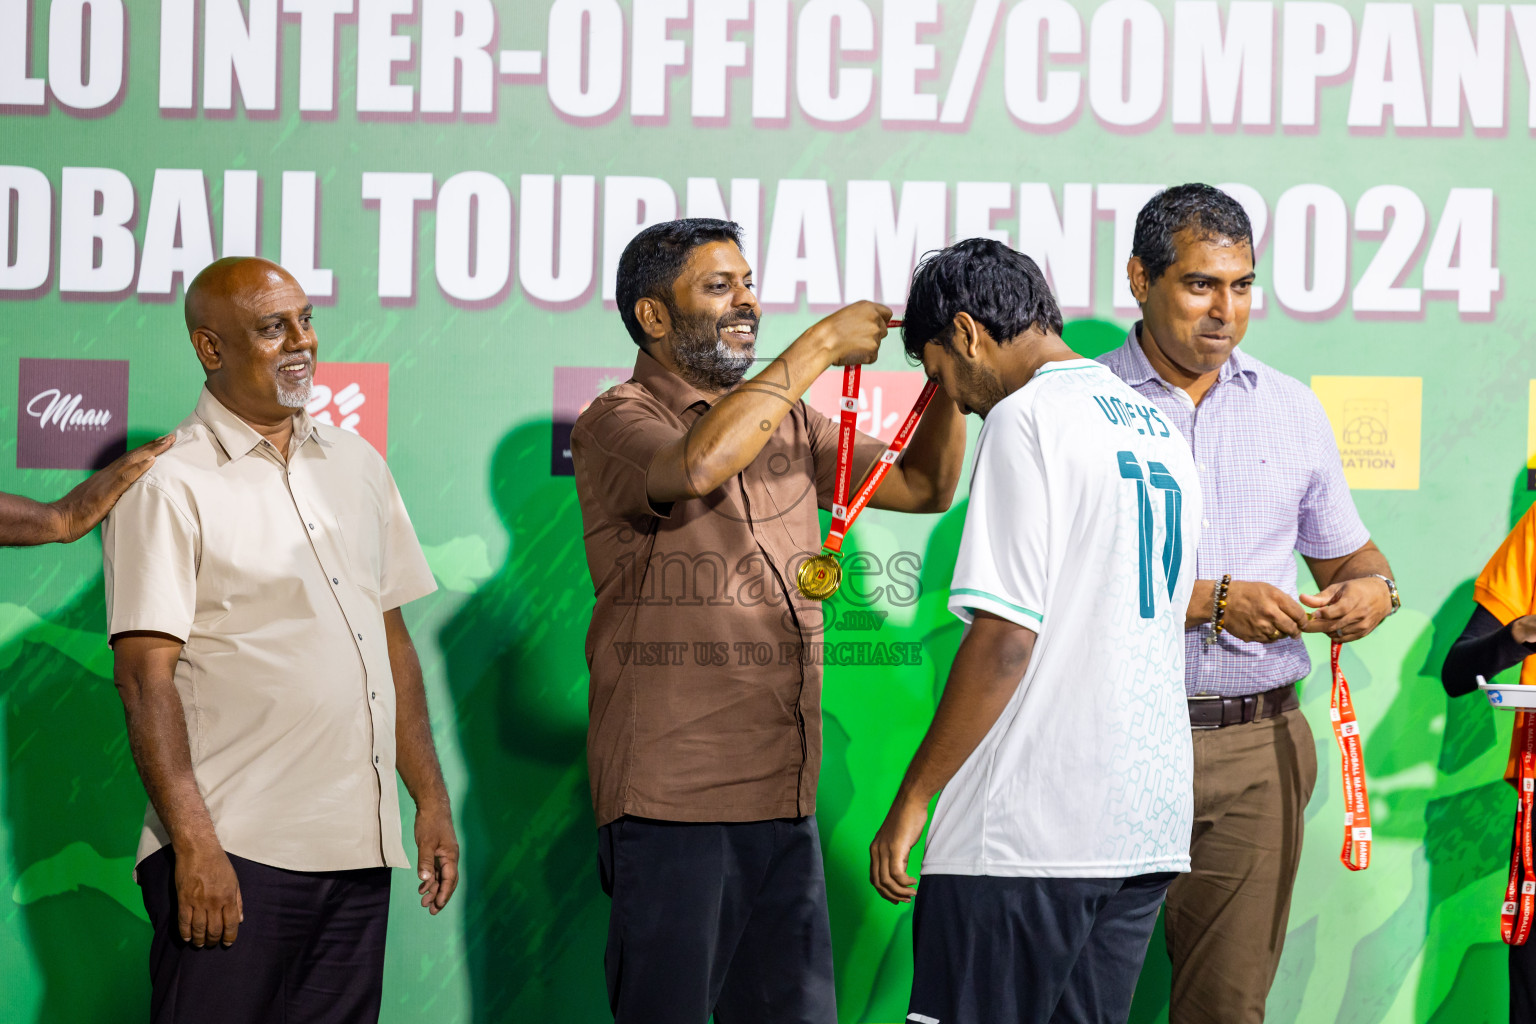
point(722, 918)
point(310, 950)
point(1068, 950)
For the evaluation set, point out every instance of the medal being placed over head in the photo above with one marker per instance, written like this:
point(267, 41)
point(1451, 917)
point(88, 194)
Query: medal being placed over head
point(819, 577)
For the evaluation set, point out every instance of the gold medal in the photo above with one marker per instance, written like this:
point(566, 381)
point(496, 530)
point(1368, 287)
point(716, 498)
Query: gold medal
point(819, 577)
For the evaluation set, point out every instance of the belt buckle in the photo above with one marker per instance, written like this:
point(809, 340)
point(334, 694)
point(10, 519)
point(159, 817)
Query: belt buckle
point(1205, 698)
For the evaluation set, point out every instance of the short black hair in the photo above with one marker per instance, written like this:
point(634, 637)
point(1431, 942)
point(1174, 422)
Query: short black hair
point(1001, 288)
point(654, 258)
point(1206, 210)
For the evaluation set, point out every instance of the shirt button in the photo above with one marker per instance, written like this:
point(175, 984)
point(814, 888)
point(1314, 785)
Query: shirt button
point(312, 525)
point(374, 695)
point(375, 758)
point(359, 636)
point(336, 581)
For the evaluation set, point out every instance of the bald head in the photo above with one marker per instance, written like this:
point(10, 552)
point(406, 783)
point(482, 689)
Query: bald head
point(249, 321)
point(216, 285)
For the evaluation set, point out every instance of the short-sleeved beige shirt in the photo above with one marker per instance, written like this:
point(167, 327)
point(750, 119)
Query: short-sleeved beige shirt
point(275, 576)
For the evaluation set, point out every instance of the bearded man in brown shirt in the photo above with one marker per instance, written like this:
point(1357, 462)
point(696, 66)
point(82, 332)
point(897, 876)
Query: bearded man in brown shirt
point(699, 492)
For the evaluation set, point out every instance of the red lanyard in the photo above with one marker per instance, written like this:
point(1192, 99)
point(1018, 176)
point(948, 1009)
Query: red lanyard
point(1357, 806)
point(819, 577)
point(1520, 895)
point(843, 516)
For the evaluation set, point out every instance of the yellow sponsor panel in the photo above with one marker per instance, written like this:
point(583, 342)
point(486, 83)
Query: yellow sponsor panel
point(1376, 423)
point(1530, 441)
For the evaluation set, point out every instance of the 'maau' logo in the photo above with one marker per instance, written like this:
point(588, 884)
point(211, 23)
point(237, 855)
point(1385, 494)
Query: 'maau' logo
point(54, 408)
point(73, 413)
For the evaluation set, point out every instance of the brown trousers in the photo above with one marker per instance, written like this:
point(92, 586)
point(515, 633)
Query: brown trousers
point(1225, 921)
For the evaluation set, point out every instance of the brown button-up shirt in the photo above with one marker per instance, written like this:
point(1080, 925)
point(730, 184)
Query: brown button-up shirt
point(275, 575)
point(705, 700)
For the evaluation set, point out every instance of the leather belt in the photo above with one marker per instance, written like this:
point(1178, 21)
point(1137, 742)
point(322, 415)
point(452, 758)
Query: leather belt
point(1209, 711)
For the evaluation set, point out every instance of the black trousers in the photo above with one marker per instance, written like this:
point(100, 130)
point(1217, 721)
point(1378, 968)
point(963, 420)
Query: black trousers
point(310, 950)
point(1522, 983)
point(722, 918)
point(1030, 950)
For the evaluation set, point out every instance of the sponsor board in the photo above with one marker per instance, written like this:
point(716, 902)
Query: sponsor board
point(71, 413)
point(574, 389)
point(355, 398)
point(885, 398)
point(1530, 441)
point(1376, 422)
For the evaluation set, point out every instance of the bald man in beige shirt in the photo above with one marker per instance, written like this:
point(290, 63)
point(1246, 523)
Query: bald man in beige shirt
point(254, 582)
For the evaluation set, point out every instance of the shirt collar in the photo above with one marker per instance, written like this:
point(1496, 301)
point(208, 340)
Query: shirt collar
point(1139, 369)
point(674, 392)
point(238, 437)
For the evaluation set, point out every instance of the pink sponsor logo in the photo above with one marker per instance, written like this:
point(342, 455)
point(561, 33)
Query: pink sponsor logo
point(885, 398)
point(72, 413)
point(575, 388)
point(353, 397)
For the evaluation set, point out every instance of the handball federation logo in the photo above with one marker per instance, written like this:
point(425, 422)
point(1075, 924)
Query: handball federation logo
point(1376, 423)
point(1365, 430)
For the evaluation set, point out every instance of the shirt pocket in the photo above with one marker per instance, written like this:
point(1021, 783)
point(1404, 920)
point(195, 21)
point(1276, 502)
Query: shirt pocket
point(362, 546)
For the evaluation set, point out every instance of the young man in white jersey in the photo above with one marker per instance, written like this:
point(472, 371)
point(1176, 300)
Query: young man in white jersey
point(1061, 743)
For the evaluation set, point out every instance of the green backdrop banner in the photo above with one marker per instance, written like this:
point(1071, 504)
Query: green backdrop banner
point(452, 181)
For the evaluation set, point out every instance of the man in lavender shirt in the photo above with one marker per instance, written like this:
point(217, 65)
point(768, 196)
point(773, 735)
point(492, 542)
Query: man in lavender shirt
point(1273, 484)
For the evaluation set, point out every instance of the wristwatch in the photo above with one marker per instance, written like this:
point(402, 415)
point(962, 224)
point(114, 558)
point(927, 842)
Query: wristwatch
point(1397, 602)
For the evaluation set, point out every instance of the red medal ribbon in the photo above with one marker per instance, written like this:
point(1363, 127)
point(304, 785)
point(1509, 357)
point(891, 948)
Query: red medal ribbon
point(1357, 805)
point(844, 515)
point(847, 430)
point(1520, 895)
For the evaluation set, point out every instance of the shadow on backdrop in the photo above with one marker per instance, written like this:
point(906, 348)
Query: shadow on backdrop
point(535, 916)
point(1467, 833)
point(73, 808)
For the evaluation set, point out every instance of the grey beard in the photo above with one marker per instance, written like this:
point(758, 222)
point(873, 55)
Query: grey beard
point(714, 367)
point(294, 397)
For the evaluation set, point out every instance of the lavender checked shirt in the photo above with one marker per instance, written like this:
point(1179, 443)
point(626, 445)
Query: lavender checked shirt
point(1273, 484)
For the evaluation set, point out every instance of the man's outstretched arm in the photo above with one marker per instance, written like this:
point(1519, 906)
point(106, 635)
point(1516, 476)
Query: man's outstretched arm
point(734, 431)
point(925, 478)
point(24, 522)
point(986, 673)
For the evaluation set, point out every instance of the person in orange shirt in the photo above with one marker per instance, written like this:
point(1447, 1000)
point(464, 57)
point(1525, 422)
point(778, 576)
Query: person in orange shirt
point(1500, 635)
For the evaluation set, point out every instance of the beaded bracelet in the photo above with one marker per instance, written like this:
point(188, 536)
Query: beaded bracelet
point(1218, 609)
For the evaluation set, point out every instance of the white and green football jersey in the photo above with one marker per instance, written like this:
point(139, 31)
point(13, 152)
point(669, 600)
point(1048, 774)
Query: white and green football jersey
point(1083, 522)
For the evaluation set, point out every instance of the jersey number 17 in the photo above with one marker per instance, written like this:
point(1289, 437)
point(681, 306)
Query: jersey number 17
point(1156, 476)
